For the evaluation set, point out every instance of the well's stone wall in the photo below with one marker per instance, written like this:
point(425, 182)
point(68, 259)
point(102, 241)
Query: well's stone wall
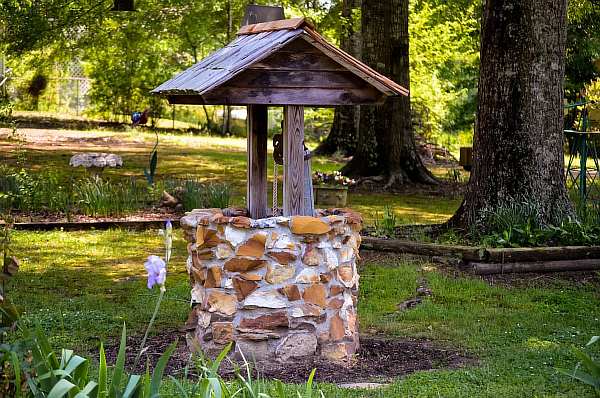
point(281, 288)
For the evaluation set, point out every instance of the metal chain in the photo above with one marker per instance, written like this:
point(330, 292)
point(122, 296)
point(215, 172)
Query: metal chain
point(275, 201)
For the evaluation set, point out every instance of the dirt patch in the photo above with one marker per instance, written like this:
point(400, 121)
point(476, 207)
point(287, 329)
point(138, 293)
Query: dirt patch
point(379, 359)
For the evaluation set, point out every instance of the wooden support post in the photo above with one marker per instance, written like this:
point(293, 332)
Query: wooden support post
point(256, 188)
point(293, 161)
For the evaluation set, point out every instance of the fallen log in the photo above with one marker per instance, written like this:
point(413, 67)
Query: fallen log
point(536, 266)
point(525, 254)
point(466, 253)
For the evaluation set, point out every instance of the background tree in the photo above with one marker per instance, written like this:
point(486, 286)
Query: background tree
point(386, 144)
point(343, 132)
point(518, 146)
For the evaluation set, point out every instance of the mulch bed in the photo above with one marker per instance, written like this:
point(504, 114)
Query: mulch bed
point(379, 359)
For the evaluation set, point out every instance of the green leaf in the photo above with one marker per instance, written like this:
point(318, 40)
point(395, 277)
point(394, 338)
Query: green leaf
point(182, 391)
point(17, 369)
point(593, 340)
point(119, 366)
point(157, 374)
point(61, 389)
point(132, 386)
point(581, 376)
point(102, 374)
point(588, 363)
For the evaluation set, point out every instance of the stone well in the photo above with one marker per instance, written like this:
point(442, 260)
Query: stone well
point(280, 288)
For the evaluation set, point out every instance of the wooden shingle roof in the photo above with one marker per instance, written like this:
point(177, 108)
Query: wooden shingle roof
point(254, 43)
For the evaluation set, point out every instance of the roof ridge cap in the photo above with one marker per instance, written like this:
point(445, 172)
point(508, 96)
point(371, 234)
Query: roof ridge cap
point(271, 26)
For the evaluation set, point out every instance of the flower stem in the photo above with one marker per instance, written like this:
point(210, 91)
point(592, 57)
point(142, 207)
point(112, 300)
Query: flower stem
point(139, 354)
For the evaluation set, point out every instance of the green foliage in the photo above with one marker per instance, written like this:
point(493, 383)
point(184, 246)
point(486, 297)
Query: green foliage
point(386, 226)
point(583, 45)
point(194, 194)
point(69, 376)
point(444, 60)
point(515, 224)
point(590, 374)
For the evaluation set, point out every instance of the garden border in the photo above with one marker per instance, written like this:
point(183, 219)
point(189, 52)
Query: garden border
point(89, 225)
point(483, 261)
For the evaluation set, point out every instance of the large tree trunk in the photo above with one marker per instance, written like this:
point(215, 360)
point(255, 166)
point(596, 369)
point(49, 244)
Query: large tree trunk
point(342, 136)
point(518, 144)
point(386, 143)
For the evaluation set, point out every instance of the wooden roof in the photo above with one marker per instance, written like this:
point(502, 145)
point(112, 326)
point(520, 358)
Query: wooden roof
point(207, 81)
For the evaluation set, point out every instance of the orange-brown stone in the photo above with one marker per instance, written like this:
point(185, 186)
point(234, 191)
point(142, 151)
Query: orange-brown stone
point(222, 332)
point(222, 302)
point(315, 294)
point(335, 303)
point(325, 278)
point(279, 273)
point(283, 257)
point(199, 274)
point(304, 225)
point(240, 264)
point(268, 321)
point(241, 222)
point(243, 287)
point(345, 273)
point(311, 256)
point(213, 277)
point(335, 290)
point(336, 328)
point(291, 292)
point(250, 277)
point(253, 247)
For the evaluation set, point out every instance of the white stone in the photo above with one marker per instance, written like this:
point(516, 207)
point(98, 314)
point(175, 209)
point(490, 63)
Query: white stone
point(229, 283)
point(331, 260)
point(223, 251)
point(284, 242)
point(265, 299)
point(100, 160)
point(296, 345)
point(198, 293)
point(324, 244)
point(235, 236)
point(307, 275)
point(346, 254)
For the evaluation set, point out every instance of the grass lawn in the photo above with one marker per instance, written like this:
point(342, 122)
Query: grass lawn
point(207, 158)
point(82, 286)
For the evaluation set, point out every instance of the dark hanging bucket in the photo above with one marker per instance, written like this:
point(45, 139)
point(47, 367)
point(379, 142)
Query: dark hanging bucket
point(123, 5)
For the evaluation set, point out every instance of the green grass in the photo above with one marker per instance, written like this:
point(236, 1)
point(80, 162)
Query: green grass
point(208, 159)
point(82, 286)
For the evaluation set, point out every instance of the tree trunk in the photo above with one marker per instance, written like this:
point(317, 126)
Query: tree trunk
point(342, 136)
point(518, 143)
point(386, 143)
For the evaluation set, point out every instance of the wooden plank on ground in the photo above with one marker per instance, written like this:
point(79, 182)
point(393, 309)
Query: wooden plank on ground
point(535, 266)
point(466, 253)
point(257, 161)
point(524, 254)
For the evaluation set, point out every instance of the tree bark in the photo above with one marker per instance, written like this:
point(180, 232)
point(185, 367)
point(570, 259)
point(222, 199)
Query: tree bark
point(386, 143)
point(343, 133)
point(518, 143)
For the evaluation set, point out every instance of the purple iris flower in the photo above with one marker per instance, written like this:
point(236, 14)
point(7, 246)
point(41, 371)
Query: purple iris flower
point(157, 272)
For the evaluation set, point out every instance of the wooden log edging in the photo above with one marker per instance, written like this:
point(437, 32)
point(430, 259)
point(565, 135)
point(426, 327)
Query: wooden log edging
point(589, 264)
point(89, 225)
point(484, 261)
point(465, 253)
